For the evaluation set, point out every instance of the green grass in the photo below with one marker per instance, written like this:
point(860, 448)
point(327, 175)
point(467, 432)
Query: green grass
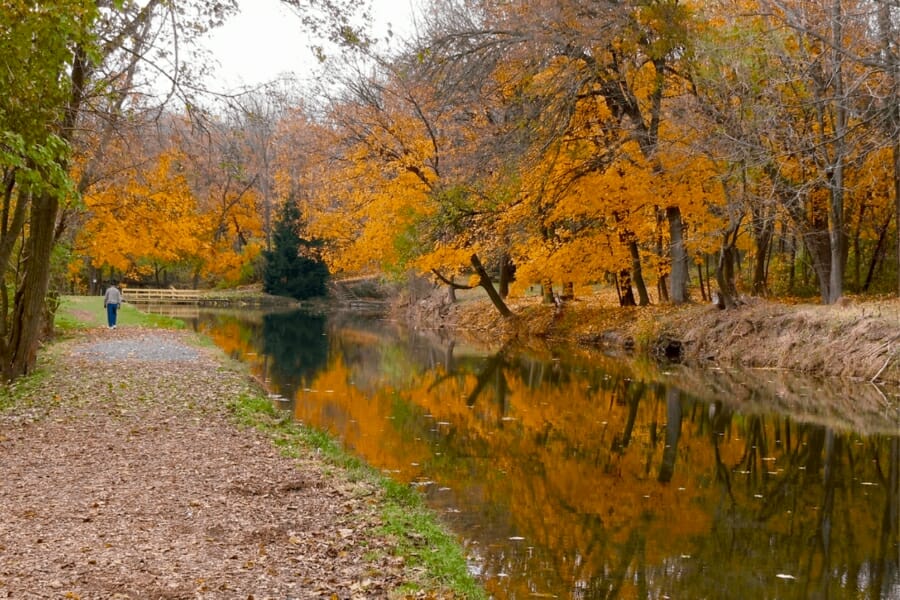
point(419, 536)
point(82, 312)
point(22, 392)
point(12, 394)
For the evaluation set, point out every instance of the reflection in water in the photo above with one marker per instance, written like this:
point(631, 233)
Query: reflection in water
point(594, 478)
point(295, 347)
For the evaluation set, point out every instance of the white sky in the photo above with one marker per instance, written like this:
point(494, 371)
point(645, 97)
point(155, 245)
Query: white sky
point(266, 40)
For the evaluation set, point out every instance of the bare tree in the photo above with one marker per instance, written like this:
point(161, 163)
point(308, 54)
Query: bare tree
point(888, 15)
point(836, 66)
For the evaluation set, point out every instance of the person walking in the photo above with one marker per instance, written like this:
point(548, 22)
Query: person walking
point(111, 301)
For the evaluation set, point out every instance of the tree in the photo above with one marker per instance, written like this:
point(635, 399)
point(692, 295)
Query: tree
point(593, 141)
point(592, 82)
point(889, 54)
point(292, 267)
point(254, 118)
point(218, 166)
point(828, 100)
point(37, 118)
point(797, 127)
point(147, 221)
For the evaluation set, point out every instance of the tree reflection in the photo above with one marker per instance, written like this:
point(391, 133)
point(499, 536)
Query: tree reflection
point(887, 570)
point(798, 483)
point(673, 433)
point(296, 347)
point(603, 479)
point(491, 376)
point(632, 392)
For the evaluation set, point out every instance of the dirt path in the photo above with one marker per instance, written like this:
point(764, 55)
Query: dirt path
point(124, 478)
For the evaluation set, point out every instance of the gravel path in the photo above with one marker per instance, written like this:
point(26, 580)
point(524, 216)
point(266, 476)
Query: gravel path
point(123, 477)
point(145, 349)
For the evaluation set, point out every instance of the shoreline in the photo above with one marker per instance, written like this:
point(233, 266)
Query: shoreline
point(858, 341)
point(855, 340)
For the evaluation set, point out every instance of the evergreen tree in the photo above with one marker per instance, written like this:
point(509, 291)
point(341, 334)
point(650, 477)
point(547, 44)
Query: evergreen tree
point(293, 267)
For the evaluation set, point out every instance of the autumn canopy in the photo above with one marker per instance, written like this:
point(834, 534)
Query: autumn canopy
point(671, 150)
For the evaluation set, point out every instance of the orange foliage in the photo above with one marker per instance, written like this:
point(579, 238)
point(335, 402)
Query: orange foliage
point(149, 217)
point(144, 218)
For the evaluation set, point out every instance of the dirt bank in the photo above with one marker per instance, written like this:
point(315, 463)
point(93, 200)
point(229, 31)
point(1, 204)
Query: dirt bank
point(851, 340)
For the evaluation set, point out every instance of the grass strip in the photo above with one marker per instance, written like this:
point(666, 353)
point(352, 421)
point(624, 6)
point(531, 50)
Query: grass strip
point(419, 536)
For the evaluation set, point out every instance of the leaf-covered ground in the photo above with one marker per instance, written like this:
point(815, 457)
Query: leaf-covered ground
point(124, 476)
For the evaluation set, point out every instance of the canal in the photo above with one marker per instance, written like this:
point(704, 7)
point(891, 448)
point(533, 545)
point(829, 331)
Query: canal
point(580, 475)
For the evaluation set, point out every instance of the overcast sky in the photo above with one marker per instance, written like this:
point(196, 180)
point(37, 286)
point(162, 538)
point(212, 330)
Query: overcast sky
point(265, 40)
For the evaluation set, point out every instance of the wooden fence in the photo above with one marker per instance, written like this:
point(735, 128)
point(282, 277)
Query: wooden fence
point(161, 296)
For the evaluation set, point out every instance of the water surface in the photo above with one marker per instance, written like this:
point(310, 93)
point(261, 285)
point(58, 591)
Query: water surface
point(585, 476)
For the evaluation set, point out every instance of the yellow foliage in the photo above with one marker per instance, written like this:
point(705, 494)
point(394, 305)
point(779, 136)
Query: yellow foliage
point(614, 134)
point(446, 259)
point(146, 218)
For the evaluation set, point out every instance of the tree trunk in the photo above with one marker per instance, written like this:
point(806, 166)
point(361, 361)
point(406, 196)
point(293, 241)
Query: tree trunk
point(837, 238)
point(889, 51)
point(708, 277)
point(837, 234)
point(637, 273)
point(763, 230)
point(857, 249)
point(28, 307)
point(663, 261)
point(19, 349)
point(505, 274)
point(547, 292)
point(484, 281)
point(662, 289)
point(700, 279)
point(568, 291)
point(817, 242)
point(725, 278)
point(878, 253)
point(679, 275)
point(897, 207)
point(10, 233)
point(792, 272)
point(673, 434)
point(626, 296)
point(728, 296)
point(896, 151)
point(810, 220)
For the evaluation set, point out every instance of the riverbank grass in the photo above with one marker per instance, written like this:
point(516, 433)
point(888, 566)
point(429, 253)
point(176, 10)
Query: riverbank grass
point(417, 534)
point(855, 339)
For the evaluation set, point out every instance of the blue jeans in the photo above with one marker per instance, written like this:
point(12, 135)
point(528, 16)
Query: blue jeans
point(111, 314)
